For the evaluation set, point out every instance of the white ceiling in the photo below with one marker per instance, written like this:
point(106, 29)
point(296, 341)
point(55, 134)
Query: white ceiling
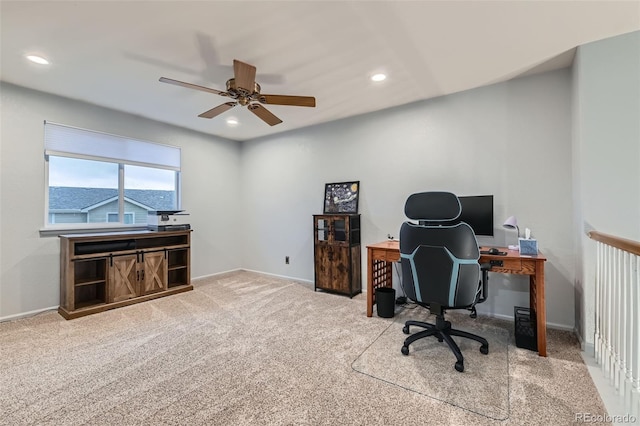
point(113, 53)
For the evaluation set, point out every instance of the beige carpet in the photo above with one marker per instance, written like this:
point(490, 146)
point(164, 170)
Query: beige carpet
point(482, 388)
point(249, 349)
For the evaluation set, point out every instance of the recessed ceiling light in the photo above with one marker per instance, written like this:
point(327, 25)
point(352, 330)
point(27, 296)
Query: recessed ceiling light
point(378, 77)
point(232, 121)
point(38, 59)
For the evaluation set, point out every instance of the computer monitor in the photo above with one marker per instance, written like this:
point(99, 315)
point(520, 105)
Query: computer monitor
point(477, 211)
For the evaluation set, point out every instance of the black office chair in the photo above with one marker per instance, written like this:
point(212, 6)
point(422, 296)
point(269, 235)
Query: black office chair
point(440, 268)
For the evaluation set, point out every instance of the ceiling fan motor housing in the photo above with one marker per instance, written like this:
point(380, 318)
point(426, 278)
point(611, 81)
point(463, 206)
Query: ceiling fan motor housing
point(241, 94)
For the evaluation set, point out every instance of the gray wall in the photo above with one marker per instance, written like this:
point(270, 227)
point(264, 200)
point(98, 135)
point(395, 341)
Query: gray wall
point(606, 153)
point(29, 263)
point(251, 203)
point(512, 140)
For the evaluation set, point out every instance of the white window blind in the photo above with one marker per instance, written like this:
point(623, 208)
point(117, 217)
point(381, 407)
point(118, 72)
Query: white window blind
point(61, 140)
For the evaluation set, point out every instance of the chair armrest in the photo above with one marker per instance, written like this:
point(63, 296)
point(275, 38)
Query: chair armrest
point(482, 295)
point(486, 266)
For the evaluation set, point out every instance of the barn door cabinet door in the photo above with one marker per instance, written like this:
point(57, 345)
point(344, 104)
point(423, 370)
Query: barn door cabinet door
point(123, 277)
point(136, 275)
point(153, 272)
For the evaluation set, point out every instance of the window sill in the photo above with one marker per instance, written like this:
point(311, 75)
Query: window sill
point(52, 231)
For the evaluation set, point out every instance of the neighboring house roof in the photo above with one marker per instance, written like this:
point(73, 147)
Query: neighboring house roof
point(70, 198)
point(112, 199)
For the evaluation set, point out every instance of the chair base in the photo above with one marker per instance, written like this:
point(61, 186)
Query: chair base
point(442, 331)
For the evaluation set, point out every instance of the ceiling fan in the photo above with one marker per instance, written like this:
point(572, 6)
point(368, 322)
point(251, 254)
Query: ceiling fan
point(244, 91)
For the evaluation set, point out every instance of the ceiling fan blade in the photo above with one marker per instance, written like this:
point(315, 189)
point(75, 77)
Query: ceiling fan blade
point(264, 114)
point(218, 110)
point(245, 75)
point(192, 86)
point(306, 101)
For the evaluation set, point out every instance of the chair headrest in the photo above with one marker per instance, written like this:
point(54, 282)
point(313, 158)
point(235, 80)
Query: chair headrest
point(434, 206)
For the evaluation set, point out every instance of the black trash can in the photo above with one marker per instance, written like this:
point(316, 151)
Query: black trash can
point(386, 301)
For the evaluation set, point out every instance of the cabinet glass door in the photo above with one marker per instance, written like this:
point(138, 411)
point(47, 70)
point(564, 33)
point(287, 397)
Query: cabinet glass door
point(340, 230)
point(322, 226)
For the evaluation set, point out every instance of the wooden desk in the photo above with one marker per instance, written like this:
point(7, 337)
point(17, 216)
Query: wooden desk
point(380, 258)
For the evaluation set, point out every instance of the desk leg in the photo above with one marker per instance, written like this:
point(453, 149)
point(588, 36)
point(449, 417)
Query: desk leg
point(369, 282)
point(537, 300)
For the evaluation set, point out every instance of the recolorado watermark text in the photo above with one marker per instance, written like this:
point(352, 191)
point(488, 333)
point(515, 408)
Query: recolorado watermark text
point(605, 418)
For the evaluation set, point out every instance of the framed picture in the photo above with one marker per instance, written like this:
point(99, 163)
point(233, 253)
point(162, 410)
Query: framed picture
point(341, 197)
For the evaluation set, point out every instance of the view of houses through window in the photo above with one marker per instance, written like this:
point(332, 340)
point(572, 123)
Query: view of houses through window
point(88, 191)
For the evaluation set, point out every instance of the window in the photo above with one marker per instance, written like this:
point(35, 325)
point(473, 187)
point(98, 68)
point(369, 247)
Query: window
point(128, 218)
point(98, 180)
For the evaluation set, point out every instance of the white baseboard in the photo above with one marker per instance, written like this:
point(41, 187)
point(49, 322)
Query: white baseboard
point(510, 318)
point(302, 280)
point(28, 314)
point(217, 274)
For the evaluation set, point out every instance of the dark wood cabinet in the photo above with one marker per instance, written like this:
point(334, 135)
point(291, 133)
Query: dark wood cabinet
point(337, 253)
point(107, 270)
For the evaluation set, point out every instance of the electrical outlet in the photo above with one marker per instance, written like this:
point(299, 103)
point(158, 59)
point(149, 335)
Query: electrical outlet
point(286, 260)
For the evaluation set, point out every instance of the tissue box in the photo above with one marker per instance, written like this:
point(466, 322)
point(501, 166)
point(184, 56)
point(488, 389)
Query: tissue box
point(528, 247)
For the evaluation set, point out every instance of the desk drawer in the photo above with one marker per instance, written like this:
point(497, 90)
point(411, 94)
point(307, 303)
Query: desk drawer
point(511, 266)
point(385, 255)
point(391, 256)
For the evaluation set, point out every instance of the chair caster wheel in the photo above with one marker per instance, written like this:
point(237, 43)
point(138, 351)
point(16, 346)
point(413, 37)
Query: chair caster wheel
point(440, 339)
point(484, 349)
point(460, 366)
point(405, 329)
point(405, 350)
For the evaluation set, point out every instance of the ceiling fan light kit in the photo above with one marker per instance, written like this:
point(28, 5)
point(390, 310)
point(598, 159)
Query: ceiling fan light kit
point(245, 91)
